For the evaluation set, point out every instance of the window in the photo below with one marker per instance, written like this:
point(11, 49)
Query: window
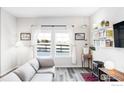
point(62, 44)
point(44, 44)
point(54, 42)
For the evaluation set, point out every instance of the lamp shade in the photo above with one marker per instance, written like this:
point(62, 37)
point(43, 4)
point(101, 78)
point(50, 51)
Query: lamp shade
point(19, 43)
point(109, 65)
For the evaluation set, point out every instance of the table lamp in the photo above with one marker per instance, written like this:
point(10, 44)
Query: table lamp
point(109, 65)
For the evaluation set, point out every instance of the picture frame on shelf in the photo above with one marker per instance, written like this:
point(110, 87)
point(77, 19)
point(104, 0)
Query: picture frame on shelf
point(79, 36)
point(25, 36)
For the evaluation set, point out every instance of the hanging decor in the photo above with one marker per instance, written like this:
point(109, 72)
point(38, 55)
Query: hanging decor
point(79, 36)
point(25, 36)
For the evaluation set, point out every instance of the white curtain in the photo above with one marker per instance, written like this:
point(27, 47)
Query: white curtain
point(73, 45)
point(35, 30)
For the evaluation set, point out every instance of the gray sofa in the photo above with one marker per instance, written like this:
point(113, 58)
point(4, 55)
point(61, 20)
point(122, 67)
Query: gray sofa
point(40, 69)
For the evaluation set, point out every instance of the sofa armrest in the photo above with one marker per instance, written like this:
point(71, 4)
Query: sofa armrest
point(46, 62)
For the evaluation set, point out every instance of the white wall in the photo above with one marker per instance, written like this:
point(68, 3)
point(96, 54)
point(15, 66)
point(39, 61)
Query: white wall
point(24, 25)
point(8, 40)
point(0, 40)
point(114, 15)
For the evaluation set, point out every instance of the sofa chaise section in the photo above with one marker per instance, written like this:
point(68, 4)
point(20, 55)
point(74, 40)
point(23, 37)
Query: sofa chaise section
point(42, 77)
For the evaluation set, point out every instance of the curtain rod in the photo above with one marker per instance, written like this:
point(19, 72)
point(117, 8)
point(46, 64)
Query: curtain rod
point(53, 25)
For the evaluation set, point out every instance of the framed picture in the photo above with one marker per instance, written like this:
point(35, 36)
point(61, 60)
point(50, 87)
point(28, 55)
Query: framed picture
point(25, 36)
point(79, 36)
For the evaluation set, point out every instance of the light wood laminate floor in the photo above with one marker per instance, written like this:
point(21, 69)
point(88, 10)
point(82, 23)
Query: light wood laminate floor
point(69, 74)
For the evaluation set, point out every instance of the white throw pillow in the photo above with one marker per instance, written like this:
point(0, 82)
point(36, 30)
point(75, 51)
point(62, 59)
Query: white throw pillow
point(35, 64)
point(25, 72)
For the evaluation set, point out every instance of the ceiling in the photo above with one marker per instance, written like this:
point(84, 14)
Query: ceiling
point(50, 11)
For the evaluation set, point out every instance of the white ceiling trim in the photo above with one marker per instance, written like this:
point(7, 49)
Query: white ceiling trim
point(50, 11)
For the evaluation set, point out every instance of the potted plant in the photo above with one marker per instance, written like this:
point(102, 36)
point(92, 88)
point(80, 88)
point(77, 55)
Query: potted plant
point(92, 48)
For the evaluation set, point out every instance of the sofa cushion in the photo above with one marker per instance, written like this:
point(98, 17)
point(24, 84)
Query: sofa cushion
point(10, 77)
point(35, 64)
point(46, 62)
point(43, 77)
point(25, 72)
point(46, 70)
